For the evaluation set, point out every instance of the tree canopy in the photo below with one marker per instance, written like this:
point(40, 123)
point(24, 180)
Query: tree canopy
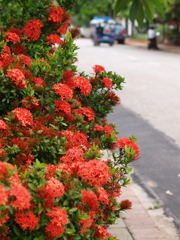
point(140, 9)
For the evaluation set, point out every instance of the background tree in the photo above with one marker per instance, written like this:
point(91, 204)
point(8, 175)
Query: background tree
point(140, 9)
point(85, 10)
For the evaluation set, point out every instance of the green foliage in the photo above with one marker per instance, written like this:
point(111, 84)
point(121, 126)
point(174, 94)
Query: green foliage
point(87, 9)
point(140, 9)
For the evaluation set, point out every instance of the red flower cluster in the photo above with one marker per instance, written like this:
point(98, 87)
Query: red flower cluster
point(73, 154)
point(32, 29)
point(59, 218)
point(3, 125)
point(23, 116)
point(102, 195)
point(86, 223)
point(63, 91)
point(16, 30)
point(19, 49)
point(123, 142)
point(11, 37)
point(39, 82)
point(26, 60)
point(98, 69)
point(53, 189)
point(88, 112)
point(126, 204)
point(82, 83)
point(17, 77)
point(54, 39)
point(21, 195)
point(62, 30)
point(101, 232)
point(4, 195)
point(56, 15)
point(90, 199)
point(95, 172)
point(107, 82)
point(26, 220)
point(63, 106)
point(112, 96)
point(30, 103)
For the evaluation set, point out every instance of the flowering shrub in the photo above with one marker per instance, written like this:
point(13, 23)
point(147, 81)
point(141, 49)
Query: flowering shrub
point(53, 181)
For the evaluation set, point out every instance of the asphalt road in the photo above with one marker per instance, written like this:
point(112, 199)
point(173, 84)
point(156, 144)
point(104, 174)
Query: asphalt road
point(149, 110)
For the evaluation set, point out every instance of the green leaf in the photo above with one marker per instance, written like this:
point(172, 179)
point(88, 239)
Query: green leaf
point(73, 210)
point(70, 231)
point(149, 8)
point(140, 16)
point(159, 6)
point(134, 10)
point(120, 4)
point(84, 216)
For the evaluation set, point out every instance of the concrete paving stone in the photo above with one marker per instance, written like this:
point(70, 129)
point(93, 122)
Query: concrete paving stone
point(121, 233)
point(119, 224)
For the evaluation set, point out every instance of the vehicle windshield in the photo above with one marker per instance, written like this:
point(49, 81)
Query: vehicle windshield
point(113, 28)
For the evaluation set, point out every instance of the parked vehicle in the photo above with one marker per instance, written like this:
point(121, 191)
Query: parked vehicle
point(98, 33)
point(117, 30)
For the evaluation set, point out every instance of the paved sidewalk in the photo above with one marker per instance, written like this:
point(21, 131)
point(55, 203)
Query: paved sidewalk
point(145, 221)
point(162, 47)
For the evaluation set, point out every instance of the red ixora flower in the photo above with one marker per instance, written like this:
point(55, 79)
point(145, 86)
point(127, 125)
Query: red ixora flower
point(26, 60)
point(95, 172)
point(23, 116)
point(62, 30)
point(39, 82)
point(30, 103)
point(123, 142)
point(125, 204)
point(4, 195)
point(90, 199)
point(3, 154)
point(102, 195)
point(98, 69)
point(63, 91)
point(12, 37)
point(53, 230)
point(26, 220)
point(112, 96)
point(32, 29)
point(88, 112)
point(107, 82)
point(101, 232)
point(4, 172)
point(17, 77)
point(53, 189)
point(18, 49)
point(4, 217)
point(3, 125)
point(16, 30)
point(63, 106)
point(80, 82)
point(54, 38)
point(86, 223)
point(55, 15)
point(58, 216)
point(21, 195)
point(98, 128)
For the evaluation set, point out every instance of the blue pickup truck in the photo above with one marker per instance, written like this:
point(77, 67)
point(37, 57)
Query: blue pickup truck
point(98, 33)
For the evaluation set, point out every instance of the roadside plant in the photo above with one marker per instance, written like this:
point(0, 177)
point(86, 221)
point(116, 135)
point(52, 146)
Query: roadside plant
point(53, 130)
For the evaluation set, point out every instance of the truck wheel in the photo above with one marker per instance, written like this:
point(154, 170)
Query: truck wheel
point(121, 41)
point(111, 44)
point(96, 43)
